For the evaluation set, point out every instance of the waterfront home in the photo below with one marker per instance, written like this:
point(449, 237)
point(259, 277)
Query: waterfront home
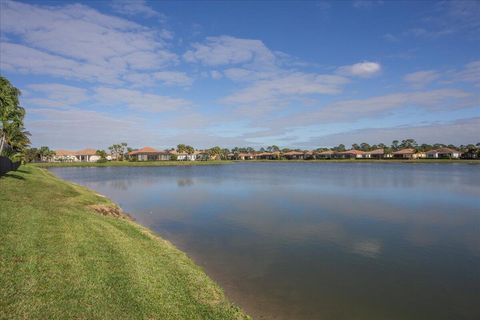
point(328, 154)
point(184, 156)
point(149, 154)
point(446, 153)
point(202, 155)
point(267, 155)
point(310, 155)
point(63, 156)
point(245, 156)
point(87, 155)
point(352, 154)
point(408, 153)
point(375, 154)
point(294, 155)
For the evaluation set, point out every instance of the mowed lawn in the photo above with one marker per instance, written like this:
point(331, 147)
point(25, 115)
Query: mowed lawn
point(59, 259)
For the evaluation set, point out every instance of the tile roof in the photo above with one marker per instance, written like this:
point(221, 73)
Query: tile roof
point(405, 151)
point(86, 152)
point(64, 153)
point(376, 151)
point(144, 150)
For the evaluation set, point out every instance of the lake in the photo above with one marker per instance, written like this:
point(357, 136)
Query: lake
point(317, 240)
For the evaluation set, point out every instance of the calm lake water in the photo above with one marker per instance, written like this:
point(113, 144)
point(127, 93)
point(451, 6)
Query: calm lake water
point(317, 240)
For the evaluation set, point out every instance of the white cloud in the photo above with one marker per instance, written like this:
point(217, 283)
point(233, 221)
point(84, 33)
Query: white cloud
point(79, 40)
point(362, 69)
point(134, 7)
point(456, 132)
point(22, 59)
point(56, 95)
point(173, 78)
point(226, 50)
point(447, 18)
point(470, 73)
point(77, 128)
point(380, 106)
point(420, 79)
point(138, 100)
point(360, 4)
point(167, 78)
point(216, 74)
point(285, 87)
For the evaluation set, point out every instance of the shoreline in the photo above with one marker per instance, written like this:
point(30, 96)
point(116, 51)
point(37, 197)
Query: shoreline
point(80, 242)
point(226, 162)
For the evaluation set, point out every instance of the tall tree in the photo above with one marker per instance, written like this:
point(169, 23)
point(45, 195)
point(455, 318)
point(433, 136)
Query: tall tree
point(395, 145)
point(12, 130)
point(118, 150)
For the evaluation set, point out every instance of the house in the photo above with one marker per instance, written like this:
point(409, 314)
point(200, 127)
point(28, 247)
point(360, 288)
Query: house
point(408, 153)
point(64, 156)
point(202, 155)
point(245, 156)
point(404, 153)
point(328, 154)
point(87, 155)
point(375, 154)
point(294, 155)
point(149, 154)
point(309, 155)
point(267, 155)
point(443, 153)
point(352, 154)
point(184, 156)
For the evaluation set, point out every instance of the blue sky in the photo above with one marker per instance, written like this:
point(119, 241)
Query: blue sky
point(244, 73)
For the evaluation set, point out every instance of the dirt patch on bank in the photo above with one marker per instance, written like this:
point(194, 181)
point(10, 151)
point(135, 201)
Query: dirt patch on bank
point(109, 210)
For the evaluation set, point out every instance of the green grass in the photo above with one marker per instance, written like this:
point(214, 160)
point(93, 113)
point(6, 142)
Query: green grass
point(129, 163)
point(59, 259)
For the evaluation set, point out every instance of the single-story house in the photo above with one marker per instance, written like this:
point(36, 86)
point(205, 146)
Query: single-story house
point(408, 153)
point(245, 156)
point(310, 155)
point(267, 155)
point(64, 156)
point(184, 156)
point(375, 154)
point(149, 154)
point(443, 153)
point(294, 155)
point(352, 154)
point(87, 155)
point(328, 154)
point(203, 155)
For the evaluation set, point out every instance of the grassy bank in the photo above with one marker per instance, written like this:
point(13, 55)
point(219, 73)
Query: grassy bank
point(61, 259)
point(129, 163)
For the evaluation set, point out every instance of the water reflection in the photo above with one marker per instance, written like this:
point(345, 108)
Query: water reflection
point(318, 241)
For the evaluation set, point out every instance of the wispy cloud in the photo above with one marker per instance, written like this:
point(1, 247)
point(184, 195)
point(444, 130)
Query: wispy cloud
point(134, 7)
point(138, 100)
point(364, 69)
point(420, 79)
point(381, 106)
point(78, 41)
point(56, 95)
point(456, 132)
point(362, 4)
point(227, 50)
point(287, 86)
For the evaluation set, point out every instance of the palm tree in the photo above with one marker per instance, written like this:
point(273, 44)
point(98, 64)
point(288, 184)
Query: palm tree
point(12, 131)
